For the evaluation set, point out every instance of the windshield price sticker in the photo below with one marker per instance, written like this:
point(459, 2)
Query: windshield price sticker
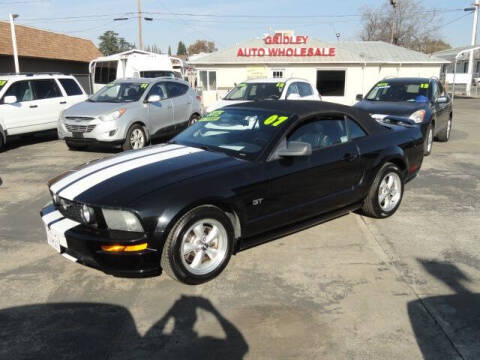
point(213, 116)
point(110, 85)
point(144, 85)
point(2, 83)
point(242, 85)
point(280, 85)
point(423, 86)
point(382, 85)
point(275, 120)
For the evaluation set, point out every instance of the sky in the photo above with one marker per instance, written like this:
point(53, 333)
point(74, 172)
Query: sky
point(227, 22)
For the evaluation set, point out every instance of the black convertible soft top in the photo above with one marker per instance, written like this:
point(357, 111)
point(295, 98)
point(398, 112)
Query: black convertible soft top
point(307, 108)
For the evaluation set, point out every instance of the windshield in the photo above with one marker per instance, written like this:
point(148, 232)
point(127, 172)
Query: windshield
point(241, 133)
point(120, 92)
point(399, 91)
point(256, 91)
point(157, 73)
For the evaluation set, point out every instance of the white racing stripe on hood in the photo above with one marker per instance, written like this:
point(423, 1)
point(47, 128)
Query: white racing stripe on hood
point(61, 228)
point(69, 179)
point(92, 180)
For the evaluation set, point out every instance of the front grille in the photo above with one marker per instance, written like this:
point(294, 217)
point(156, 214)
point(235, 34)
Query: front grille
point(79, 118)
point(70, 209)
point(80, 128)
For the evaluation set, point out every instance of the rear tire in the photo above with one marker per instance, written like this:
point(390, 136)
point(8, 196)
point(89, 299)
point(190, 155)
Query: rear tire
point(189, 255)
point(428, 143)
point(385, 194)
point(136, 138)
point(193, 119)
point(2, 142)
point(444, 135)
point(74, 147)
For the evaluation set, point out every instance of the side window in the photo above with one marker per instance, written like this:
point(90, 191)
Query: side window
point(45, 89)
point(105, 72)
point(304, 89)
point(159, 89)
point(20, 89)
point(292, 89)
point(434, 90)
point(354, 129)
point(441, 90)
point(175, 89)
point(71, 87)
point(321, 133)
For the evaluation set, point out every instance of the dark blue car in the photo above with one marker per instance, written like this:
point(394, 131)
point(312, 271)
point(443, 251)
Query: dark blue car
point(422, 100)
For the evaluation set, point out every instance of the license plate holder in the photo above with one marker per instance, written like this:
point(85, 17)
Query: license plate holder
point(53, 240)
point(77, 135)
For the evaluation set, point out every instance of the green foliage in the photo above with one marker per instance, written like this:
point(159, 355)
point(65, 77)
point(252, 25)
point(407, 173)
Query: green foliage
point(181, 49)
point(111, 43)
point(201, 46)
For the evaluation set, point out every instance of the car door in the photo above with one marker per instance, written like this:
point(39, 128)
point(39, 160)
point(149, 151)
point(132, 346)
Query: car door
point(50, 102)
point(22, 116)
point(72, 92)
point(305, 186)
point(160, 113)
point(182, 102)
point(442, 109)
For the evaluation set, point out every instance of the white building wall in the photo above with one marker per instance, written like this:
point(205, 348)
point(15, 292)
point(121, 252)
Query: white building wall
point(358, 78)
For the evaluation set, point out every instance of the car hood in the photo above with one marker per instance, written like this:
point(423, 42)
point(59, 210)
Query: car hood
point(401, 108)
point(223, 103)
point(120, 180)
point(92, 109)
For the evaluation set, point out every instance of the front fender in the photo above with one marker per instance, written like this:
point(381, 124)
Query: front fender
point(393, 154)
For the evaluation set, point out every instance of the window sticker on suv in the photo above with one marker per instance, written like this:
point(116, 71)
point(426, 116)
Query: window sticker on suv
point(213, 116)
point(424, 86)
point(144, 85)
point(280, 84)
point(275, 120)
point(2, 83)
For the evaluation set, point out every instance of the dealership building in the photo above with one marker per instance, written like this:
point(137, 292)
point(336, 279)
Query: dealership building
point(339, 70)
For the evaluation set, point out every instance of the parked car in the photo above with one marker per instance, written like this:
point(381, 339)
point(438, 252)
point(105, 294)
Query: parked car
point(239, 176)
point(268, 89)
point(422, 100)
point(129, 113)
point(32, 102)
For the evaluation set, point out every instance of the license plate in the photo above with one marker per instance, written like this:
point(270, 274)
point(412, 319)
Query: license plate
point(53, 239)
point(77, 135)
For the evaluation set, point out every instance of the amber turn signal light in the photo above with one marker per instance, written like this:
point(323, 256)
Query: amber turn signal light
point(122, 248)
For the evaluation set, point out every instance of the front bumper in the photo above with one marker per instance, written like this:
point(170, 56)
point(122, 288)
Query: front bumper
point(91, 131)
point(82, 244)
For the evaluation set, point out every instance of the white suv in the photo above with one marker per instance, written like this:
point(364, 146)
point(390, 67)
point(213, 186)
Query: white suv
point(33, 102)
point(269, 89)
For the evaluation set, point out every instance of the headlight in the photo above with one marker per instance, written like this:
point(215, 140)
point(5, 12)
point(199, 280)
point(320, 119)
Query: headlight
point(87, 214)
point(113, 116)
point(418, 116)
point(122, 220)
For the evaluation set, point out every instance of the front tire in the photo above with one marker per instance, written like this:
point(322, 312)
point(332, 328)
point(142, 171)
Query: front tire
point(199, 246)
point(386, 192)
point(193, 119)
point(428, 143)
point(136, 138)
point(444, 135)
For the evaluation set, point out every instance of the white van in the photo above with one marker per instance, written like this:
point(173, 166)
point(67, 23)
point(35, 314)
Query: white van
point(130, 64)
point(33, 102)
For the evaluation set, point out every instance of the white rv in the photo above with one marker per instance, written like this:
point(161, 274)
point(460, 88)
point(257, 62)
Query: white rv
point(130, 64)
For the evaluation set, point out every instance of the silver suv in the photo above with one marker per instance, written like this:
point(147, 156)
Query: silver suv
point(130, 112)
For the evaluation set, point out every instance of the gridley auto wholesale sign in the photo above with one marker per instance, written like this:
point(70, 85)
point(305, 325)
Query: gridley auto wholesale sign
point(294, 50)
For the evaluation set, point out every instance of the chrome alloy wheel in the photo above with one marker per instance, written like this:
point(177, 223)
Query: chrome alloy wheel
point(137, 139)
point(204, 246)
point(430, 140)
point(389, 192)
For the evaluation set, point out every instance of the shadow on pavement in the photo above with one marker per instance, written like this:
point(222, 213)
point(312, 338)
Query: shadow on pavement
point(100, 331)
point(30, 139)
point(456, 315)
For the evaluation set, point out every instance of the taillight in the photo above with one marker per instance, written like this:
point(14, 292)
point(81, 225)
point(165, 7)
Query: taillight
point(199, 98)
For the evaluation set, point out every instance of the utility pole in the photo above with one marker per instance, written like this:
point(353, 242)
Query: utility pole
point(14, 41)
point(474, 42)
point(394, 20)
point(140, 40)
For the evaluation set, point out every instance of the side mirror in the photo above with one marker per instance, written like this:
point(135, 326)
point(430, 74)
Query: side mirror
point(442, 100)
point(293, 97)
point(154, 98)
point(12, 99)
point(296, 148)
point(359, 97)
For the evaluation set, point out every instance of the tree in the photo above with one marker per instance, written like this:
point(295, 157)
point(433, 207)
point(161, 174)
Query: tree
point(413, 27)
point(200, 46)
point(169, 50)
point(181, 49)
point(110, 43)
point(153, 48)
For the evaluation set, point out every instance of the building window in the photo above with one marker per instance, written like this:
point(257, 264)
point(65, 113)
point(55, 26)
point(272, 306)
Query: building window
point(208, 79)
point(331, 82)
point(277, 73)
point(105, 72)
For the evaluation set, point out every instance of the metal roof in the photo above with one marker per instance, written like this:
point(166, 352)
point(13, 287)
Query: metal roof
point(450, 54)
point(377, 52)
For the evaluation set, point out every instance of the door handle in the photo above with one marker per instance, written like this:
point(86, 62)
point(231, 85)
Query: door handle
point(63, 102)
point(350, 157)
point(33, 106)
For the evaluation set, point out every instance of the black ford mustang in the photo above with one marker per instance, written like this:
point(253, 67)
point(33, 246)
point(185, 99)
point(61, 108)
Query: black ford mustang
point(240, 176)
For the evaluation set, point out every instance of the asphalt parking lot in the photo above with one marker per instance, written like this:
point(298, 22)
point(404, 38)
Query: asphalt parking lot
point(407, 287)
